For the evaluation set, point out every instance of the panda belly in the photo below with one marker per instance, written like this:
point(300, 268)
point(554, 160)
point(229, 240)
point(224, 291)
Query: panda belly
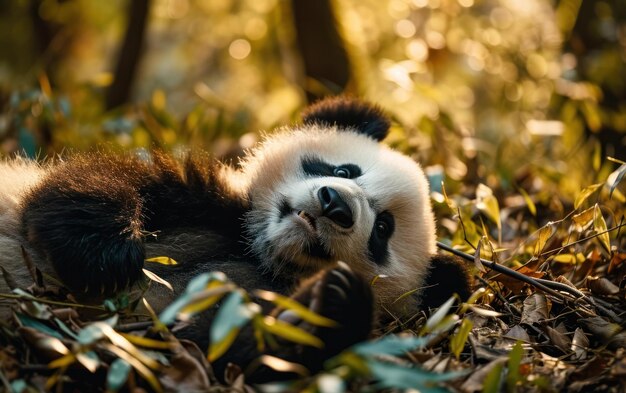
point(198, 251)
point(336, 292)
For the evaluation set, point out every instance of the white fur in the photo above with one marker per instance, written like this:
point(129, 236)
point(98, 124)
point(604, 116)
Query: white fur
point(16, 178)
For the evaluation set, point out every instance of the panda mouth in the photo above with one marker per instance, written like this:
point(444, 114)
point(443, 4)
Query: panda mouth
point(315, 248)
point(307, 219)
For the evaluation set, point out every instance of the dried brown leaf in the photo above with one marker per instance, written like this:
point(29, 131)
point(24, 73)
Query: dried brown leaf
point(617, 259)
point(580, 343)
point(475, 382)
point(185, 373)
point(602, 286)
point(601, 328)
point(535, 309)
point(518, 333)
point(559, 339)
point(46, 346)
point(513, 283)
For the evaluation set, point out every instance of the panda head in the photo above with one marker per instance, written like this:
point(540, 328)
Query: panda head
point(329, 191)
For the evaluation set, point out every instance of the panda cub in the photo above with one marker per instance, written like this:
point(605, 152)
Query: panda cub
point(308, 197)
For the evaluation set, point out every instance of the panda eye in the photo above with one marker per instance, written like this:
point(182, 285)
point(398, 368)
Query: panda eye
point(384, 226)
point(382, 229)
point(342, 172)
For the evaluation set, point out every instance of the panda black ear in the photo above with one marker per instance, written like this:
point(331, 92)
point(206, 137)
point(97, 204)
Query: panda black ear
point(349, 114)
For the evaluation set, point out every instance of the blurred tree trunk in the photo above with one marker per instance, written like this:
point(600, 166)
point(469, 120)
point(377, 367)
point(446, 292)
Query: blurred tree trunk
point(324, 57)
point(593, 41)
point(130, 53)
point(45, 33)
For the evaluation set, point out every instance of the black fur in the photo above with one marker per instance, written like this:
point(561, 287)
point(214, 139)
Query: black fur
point(378, 243)
point(447, 276)
point(348, 113)
point(314, 166)
point(90, 215)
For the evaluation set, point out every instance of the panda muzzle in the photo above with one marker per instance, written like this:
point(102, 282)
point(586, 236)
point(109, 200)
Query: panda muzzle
point(334, 207)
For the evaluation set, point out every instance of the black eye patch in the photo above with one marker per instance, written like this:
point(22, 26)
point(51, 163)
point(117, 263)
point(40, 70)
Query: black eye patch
point(313, 166)
point(384, 226)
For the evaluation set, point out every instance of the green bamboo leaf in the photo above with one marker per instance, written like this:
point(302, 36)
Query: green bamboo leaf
point(203, 300)
point(439, 315)
point(542, 236)
point(476, 295)
point(217, 349)
point(457, 342)
point(196, 291)
point(156, 278)
point(515, 360)
point(599, 225)
point(137, 365)
point(393, 375)
point(25, 320)
point(529, 202)
point(487, 203)
point(445, 324)
point(19, 386)
point(566, 258)
point(493, 380)
point(162, 260)
point(117, 375)
point(596, 157)
point(390, 345)
point(301, 311)
point(89, 360)
point(615, 178)
point(586, 193)
point(583, 220)
point(290, 332)
point(592, 113)
point(233, 314)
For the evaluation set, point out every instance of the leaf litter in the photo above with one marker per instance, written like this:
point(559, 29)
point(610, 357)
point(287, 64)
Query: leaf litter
point(557, 323)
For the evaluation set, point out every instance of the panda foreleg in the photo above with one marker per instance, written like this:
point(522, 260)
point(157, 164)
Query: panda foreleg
point(338, 294)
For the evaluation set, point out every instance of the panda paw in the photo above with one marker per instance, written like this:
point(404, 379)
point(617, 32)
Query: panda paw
point(343, 296)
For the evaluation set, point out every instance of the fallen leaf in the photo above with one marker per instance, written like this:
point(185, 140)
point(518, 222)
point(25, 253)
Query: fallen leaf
point(602, 286)
point(535, 309)
point(580, 343)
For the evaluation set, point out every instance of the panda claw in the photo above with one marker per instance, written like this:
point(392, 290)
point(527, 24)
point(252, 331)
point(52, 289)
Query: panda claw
point(341, 277)
point(337, 289)
point(344, 265)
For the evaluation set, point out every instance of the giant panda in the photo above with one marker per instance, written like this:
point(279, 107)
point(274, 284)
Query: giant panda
point(321, 211)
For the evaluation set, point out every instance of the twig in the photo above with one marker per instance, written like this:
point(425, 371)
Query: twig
point(556, 250)
point(47, 301)
point(547, 286)
point(5, 382)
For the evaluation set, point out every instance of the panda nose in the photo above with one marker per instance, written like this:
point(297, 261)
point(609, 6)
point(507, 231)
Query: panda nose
point(334, 207)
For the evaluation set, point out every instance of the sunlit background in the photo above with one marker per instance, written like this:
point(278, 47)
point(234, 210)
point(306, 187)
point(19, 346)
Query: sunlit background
point(509, 93)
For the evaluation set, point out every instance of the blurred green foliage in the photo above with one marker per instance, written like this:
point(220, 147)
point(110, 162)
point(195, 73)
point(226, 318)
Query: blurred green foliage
point(517, 95)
